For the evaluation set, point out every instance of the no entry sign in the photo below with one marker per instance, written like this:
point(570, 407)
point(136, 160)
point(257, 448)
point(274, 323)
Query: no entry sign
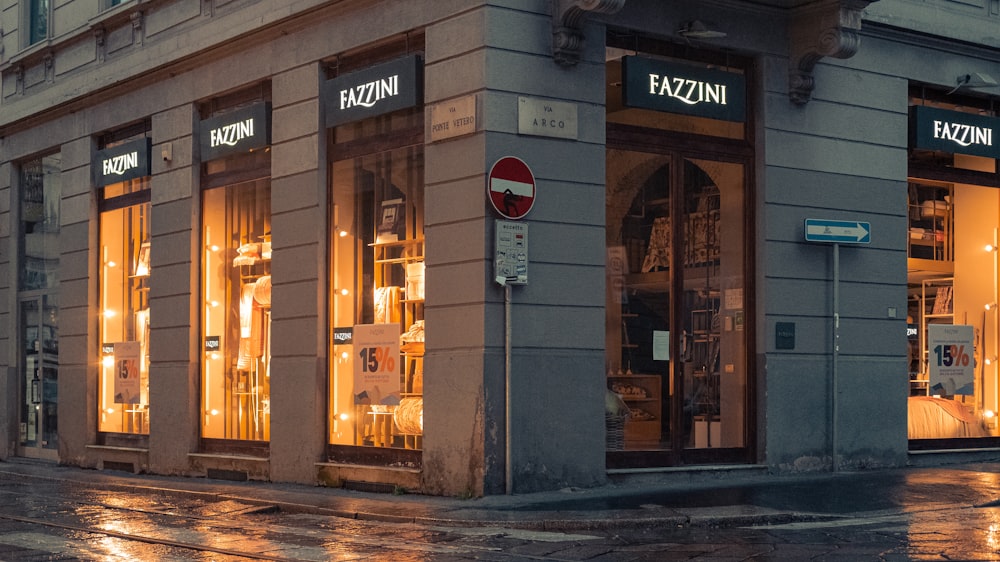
point(511, 187)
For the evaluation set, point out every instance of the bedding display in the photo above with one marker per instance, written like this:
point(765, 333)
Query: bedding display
point(941, 418)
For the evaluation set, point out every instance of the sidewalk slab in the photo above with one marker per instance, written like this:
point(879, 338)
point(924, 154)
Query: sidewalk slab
point(743, 499)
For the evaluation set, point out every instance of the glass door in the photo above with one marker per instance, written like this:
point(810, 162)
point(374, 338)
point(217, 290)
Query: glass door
point(39, 377)
point(676, 310)
point(713, 359)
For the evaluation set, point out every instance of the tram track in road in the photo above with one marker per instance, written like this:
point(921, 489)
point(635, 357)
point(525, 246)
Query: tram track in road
point(236, 533)
point(143, 539)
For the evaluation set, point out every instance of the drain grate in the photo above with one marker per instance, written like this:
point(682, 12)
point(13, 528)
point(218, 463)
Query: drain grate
point(224, 474)
point(119, 466)
point(372, 487)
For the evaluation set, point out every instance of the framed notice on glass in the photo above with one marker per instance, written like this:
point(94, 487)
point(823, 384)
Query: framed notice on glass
point(950, 350)
point(376, 364)
point(391, 221)
point(127, 382)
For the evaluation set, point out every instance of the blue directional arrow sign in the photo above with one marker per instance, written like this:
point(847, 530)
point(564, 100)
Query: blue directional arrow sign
point(845, 232)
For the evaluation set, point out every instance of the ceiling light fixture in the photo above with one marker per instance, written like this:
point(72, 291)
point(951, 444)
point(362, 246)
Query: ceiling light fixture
point(697, 29)
point(974, 80)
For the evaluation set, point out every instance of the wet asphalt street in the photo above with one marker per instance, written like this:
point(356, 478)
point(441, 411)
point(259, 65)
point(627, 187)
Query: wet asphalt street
point(948, 513)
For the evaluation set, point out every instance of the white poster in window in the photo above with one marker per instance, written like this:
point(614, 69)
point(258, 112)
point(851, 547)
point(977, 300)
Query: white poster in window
point(376, 364)
point(128, 387)
point(734, 299)
point(616, 268)
point(950, 351)
point(661, 345)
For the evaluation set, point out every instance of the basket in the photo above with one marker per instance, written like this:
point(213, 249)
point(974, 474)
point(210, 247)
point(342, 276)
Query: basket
point(615, 426)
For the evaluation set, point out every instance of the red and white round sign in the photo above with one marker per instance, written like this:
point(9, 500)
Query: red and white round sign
point(511, 187)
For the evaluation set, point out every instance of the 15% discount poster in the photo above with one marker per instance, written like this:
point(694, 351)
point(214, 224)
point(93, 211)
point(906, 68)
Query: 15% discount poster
point(950, 352)
point(376, 364)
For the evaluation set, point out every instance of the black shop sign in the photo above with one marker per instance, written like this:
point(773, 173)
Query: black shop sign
point(127, 161)
point(237, 131)
point(955, 132)
point(380, 89)
point(674, 87)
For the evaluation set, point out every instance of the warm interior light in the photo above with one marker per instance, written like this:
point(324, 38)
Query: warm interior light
point(110, 410)
point(214, 248)
point(112, 264)
point(214, 304)
point(344, 355)
point(343, 417)
point(108, 360)
point(343, 233)
point(344, 292)
point(991, 305)
point(990, 248)
point(214, 412)
point(988, 414)
point(109, 313)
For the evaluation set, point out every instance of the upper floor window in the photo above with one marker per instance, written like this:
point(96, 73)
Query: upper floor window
point(38, 21)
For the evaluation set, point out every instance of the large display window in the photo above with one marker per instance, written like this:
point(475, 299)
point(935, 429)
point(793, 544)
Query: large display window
point(237, 311)
point(125, 246)
point(953, 216)
point(234, 140)
point(377, 283)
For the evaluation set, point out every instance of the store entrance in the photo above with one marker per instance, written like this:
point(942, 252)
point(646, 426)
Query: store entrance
point(39, 377)
point(676, 337)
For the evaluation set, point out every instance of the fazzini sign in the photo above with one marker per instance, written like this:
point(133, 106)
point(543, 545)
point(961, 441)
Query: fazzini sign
point(682, 88)
point(241, 130)
point(956, 132)
point(127, 161)
point(376, 90)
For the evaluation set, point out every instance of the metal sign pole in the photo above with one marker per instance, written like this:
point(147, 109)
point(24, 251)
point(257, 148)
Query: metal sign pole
point(509, 483)
point(836, 347)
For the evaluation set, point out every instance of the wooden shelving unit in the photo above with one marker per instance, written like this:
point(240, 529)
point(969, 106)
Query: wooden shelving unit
point(643, 395)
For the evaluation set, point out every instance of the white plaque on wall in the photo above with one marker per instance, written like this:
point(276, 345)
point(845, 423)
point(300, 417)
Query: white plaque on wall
point(452, 118)
point(546, 118)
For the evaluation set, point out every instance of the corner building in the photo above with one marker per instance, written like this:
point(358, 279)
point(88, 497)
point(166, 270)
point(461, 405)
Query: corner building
point(478, 247)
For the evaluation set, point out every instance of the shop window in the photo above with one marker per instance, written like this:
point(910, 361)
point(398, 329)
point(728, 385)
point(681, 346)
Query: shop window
point(124, 306)
point(377, 283)
point(236, 322)
point(953, 326)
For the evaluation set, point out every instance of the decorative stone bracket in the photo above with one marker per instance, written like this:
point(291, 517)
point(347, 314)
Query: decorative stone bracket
point(828, 28)
point(567, 19)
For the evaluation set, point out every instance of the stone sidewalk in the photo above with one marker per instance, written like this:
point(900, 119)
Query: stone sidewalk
point(725, 498)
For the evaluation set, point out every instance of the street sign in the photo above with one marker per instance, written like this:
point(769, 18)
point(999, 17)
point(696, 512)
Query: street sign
point(511, 252)
point(845, 232)
point(511, 187)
